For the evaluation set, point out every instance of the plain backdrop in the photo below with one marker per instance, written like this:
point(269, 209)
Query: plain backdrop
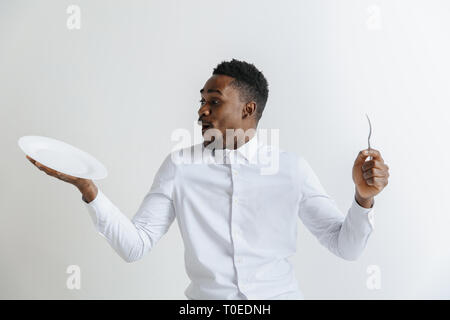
point(119, 86)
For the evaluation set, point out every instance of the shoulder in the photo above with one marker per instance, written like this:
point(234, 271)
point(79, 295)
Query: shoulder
point(186, 155)
point(297, 162)
point(274, 151)
point(291, 157)
point(280, 160)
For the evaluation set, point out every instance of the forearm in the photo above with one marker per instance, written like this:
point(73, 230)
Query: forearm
point(356, 229)
point(125, 237)
point(343, 235)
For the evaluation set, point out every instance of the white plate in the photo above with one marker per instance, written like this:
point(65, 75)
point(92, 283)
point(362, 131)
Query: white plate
point(62, 157)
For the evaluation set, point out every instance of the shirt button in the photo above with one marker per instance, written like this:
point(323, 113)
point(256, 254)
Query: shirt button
point(235, 200)
point(235, 172)
point(238, 259)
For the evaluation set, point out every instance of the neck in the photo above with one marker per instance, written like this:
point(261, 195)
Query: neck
point(236, 143)
point(240, 143)
point(238, 140)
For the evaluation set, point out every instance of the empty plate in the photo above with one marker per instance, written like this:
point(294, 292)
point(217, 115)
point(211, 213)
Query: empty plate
point(62, 157)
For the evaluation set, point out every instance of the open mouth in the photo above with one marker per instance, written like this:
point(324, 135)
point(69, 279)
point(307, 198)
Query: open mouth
point(206, 126)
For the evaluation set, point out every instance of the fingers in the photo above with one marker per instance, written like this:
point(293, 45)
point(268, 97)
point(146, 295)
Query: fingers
point(379, 182)
point(375, 154)
point(375, 172)
point(377, 160)
point(41, 167)
point(374, 164)
point(53, 173)
point(363, 154)
point(31, 160)
point(37, 164)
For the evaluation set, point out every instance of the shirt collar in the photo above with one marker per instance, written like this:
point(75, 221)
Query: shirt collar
point(247, 150)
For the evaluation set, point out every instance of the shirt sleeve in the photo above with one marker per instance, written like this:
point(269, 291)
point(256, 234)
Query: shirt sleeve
point(131, 239)
point(345, 236)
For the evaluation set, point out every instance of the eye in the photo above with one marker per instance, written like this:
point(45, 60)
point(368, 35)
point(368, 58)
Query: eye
point(213, 102)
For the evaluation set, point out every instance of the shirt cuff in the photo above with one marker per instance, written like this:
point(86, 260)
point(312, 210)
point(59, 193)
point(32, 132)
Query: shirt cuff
point(363, 213)
point(99, 209)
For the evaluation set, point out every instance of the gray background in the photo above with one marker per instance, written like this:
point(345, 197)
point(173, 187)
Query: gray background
point(120, 85)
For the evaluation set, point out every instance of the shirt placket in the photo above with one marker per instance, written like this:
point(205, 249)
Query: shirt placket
point(236, 231)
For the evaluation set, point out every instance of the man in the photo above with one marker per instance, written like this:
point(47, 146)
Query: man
point(238, 225)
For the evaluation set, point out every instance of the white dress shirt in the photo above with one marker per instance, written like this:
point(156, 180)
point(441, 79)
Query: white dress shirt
point(239, 227)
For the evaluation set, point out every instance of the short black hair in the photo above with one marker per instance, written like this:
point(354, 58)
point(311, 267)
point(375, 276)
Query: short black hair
point(248, 80)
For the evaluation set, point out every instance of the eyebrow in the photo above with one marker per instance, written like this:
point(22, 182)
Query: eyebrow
point(211, 90)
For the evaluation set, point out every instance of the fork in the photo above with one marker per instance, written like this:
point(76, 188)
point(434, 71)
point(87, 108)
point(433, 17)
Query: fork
point(370, 133)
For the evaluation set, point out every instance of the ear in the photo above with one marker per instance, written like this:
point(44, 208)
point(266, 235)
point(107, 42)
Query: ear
point(249, 109)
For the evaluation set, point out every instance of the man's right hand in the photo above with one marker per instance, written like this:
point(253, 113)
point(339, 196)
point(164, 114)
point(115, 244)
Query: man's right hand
point(86, 186)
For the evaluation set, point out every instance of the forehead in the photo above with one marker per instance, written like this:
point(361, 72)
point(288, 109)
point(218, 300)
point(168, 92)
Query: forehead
point(219, 83)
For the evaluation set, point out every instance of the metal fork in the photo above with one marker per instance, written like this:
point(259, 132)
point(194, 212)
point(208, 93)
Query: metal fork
point(370, 133)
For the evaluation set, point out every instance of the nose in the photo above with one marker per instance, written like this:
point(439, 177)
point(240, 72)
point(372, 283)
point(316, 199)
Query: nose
point(204, 111)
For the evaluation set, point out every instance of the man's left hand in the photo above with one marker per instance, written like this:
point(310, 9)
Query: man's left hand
point(370, 177)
